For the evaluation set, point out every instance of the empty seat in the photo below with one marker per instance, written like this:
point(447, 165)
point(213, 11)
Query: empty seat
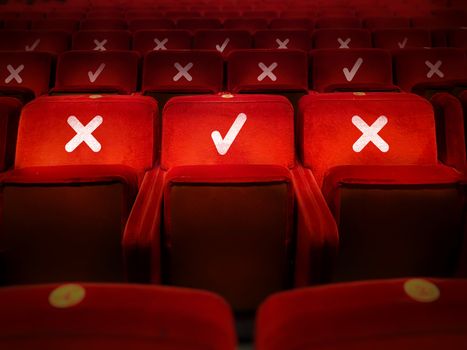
point(155, 40)
point(103, 24)
point(75, 316)
point(347, 38)
point(101, 40)
point(68, 25)
point(418, 314)
point(337, 22)
point(250, 24)
point(222, 40)
point(82, 158)
point(386, 22)
point(223, 157)
point(283, 39)
point(375, 157)
point(97, 71)
point(458, 38)
point(10, 109)
point(292, 23)
point(150, 23)
point(267, 71)
point(25, 75)
point(16, 24)
point(193, 24)
point(25, 40)
point(351, 70)
point(401, 38)
point(426, 70)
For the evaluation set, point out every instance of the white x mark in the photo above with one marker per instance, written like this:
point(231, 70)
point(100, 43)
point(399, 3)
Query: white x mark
point(370, 134)
point(100, 45)
point(344, 44)
point(84, 133)
point(434, 69)
point(160, 44)
point(223, 144)
point(183, 71)
point(14, 74)
point(33, 46)
point(267, 71)
point(282, 44)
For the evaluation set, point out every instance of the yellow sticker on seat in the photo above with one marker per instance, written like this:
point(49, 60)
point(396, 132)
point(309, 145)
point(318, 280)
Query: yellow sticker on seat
point(66, 296)
point(422, 290)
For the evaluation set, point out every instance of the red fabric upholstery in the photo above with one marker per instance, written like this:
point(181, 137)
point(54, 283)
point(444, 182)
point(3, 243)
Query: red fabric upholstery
point(222, 40)
point(195, 23)
point(250, 24)
point(350, 316)
point(401, 38)
point(283, 39)
point(96, 71)
point(165, 71)
point(164, 317)
point(386, 22)
point(50, 41)
point(338, 22)
point(415, 66)
point(26, 70)
point(9, 116)
point(150, 23)
point(458, 38)
point(328, 132)
point(16, 24)
point(339, 38)
point(352, 69)
point(46, 118)
point(145, 40)
point(68, 25)
point(101, 40)
point(103, 24)
point(289, 71)
point(292, 23)
point(266, 137)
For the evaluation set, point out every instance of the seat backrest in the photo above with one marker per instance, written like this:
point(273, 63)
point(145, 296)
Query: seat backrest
point(250, 24)
point(35, 40)
point(65, 24)
point(101, 40)
point(101, 71)
point(228, 129)
point(104, 24)
point(347, 38)
point(436, 65)
point(88, 130)
point(30, 70)
point(283, 39)
point(338, 22)
point(222, 40)
point(183, 71)
point(401, 38)
point(365, 129)
point(458, 38)
point(386, 22)
point(10, 109)
point(267, 70)
point(197, 23)
point(367, 69)
point(292, 23)
point(157, 40)
point(150, 24)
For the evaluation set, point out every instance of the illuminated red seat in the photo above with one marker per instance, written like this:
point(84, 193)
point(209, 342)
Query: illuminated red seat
point(101, 40)
point(418, 314)
point(426, 70)
point(25, 75)
point(283, 39)
point(375, 157)
point(34, 40)
point(222, 40)
point(223, 158)
point(97, 71)
point(78, 165)
point(10, 109)
point(352, 70)
point(74, 316)
point(401, 38)
point(155, 40)
point(347, 38)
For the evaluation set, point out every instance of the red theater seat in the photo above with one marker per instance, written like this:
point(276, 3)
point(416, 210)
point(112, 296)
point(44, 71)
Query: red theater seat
point(250, 24)
point(426, 70)
point(16, 24)
point(399, 212)
point(81, 159)
point(337, 22)
point(67, 25)
point(401, 38)
point(37, 40)
point(283, 39)
point(228, 192)
point(385, 315)
point(154, 40)
point(223, 40)
point(89, 316)
point(267, 71)
point(25, 75)
point(101, 40)
point(352, 70)
point(347, 38)
point(150, 23)
point(104, 24)
point(386, 22)
point(97, 71)
point(10, 109)
point(292, 23)
point(458, 38)
point(193, 24)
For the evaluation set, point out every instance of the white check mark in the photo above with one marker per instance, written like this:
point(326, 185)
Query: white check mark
point(93, 76)
point(223, 46)
point(403, 43)
point(33, 46)
point(349, 75)
point(223, 144)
